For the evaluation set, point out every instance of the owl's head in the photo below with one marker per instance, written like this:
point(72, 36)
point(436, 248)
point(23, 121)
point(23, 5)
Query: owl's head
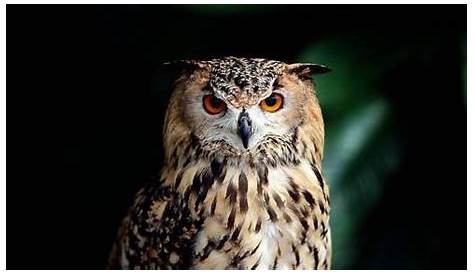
point(236, 106)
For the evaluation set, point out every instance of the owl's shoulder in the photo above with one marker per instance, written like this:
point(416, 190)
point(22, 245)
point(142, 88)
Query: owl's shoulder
point(158, 232)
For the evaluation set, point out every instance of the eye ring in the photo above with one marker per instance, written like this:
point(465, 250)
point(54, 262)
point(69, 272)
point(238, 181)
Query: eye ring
point(272, 103)
point(213, 105)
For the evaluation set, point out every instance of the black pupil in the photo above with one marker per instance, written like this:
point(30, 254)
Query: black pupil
point(271, 101)
point(216, 102)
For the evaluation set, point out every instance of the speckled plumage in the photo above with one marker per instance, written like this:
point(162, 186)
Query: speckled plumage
point(243, 81)
point(218, 205)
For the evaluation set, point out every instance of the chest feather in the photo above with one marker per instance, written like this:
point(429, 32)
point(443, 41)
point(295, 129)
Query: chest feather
point(259, 217)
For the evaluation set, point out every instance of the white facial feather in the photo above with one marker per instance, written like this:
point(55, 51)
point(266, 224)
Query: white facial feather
point(224, 126)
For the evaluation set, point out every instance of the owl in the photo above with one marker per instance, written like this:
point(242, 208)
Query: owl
point(241, 186)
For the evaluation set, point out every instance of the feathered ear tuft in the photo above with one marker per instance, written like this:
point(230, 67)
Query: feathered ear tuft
point(184, 65)
point(305, 70)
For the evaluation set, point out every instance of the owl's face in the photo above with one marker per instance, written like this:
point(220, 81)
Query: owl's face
point(243, 103)
point(214, 118)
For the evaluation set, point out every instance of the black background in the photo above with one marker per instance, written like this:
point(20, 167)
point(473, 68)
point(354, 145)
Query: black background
point(84, 121)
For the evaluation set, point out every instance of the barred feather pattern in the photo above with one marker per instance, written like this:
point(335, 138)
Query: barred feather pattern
point(215, 207)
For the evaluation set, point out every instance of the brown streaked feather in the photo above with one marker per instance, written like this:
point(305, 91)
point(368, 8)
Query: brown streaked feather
point(217, 207)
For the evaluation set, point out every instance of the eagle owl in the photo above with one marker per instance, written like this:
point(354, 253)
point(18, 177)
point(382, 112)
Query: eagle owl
point(241, 186)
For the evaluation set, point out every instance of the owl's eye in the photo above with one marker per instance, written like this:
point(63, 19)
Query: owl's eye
point(213, 105)
point(272, 103)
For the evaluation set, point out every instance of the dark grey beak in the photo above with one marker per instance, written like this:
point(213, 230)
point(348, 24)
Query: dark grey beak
point(245, 128)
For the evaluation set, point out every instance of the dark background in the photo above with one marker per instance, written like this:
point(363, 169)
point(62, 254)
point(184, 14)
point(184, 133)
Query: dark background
point(86, 101)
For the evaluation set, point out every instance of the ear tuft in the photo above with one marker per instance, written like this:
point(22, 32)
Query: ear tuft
point(184, 65)
point(306, 69)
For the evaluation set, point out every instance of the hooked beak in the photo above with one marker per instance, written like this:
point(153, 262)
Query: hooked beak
point(245, 128)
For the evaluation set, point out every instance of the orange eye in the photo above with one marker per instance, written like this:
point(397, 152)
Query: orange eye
point(272, 103)
point(213, 105)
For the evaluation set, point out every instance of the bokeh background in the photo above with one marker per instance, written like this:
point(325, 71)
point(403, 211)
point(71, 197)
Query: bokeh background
point(86, 100)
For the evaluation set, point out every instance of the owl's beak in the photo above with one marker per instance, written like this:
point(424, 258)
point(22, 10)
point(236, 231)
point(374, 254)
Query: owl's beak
point(245, 128)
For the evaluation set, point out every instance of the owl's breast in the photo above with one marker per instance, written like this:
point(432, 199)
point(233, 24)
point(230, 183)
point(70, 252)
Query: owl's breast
point(264, 218)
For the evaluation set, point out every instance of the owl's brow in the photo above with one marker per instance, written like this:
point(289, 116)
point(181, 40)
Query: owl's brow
point(276, 84)
point(207, 87)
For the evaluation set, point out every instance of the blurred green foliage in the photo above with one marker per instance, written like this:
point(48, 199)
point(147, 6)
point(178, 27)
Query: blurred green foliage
point(361, 143)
